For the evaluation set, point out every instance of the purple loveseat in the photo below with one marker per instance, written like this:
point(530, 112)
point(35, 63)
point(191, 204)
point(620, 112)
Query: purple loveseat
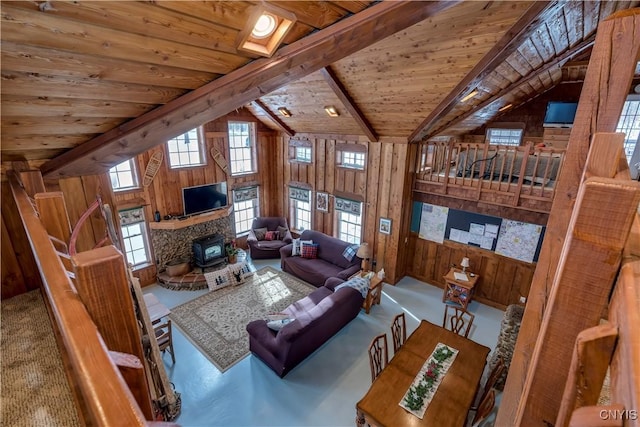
point(330, 261)
point(318, 317)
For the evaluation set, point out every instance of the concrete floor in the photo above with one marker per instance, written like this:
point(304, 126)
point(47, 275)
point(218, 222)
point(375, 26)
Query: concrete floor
point(322, 390)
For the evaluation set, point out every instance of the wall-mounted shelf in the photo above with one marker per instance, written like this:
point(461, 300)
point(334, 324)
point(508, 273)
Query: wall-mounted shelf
point(176, 224)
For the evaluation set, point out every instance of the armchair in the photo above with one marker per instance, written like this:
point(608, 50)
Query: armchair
point(259, 247)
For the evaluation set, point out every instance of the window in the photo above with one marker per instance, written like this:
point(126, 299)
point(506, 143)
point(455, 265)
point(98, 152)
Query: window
point(300, 208)
point(242, 147)
point(245, 209)
point(349, 216)
point(349, 227)
point(498, 136)
point(134, 236)
point(630, 124)
point(351, 160)
point(124, 176)
point(186, 150)
point(303, 154)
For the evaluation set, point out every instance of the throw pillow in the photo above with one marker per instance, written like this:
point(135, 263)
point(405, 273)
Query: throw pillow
point(296, 249)
point(360, 284)
point(350, 251)
point(276, 325)
point(271, 235)
point(310, 250)
point(282, 232)
point(260, 233)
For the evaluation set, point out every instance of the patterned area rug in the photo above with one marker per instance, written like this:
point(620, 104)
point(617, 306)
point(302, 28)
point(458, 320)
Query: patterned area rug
point(35, 391)
point(216, 322)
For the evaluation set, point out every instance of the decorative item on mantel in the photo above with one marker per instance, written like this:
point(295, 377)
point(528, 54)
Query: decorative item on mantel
point(426, 383)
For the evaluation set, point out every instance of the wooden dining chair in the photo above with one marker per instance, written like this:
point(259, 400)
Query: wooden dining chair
point(492, 379)
point(164, 337)
point(378, 355)
point(485, 408)
point(398, 332)
point(460, 320)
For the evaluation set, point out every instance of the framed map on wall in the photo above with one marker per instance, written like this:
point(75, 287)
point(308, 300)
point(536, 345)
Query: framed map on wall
point(518, 240)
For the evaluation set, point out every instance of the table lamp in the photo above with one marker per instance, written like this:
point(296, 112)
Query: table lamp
point(364, 252)
point(465, 264)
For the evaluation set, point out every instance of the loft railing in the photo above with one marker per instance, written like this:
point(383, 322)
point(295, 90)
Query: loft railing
point(101, 394)
point(517, 176)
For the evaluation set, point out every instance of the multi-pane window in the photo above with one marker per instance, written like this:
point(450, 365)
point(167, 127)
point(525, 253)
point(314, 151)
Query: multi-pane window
point(245, 209)
point(497, 136)
point(186, 150)
point(134, 236)
point(303, 154)
point(350, 227)
point(630, 124)
point(300, 208)
point(352, 160)
point(124, 176)
point(242, 147)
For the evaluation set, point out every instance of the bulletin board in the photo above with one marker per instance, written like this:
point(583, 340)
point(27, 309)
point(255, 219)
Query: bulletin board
point(473, 229)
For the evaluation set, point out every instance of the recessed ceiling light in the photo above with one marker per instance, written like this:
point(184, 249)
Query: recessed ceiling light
point(470, 95)
point(284, 112)
point(265, 26)
point(331, 111)
point(506, 107)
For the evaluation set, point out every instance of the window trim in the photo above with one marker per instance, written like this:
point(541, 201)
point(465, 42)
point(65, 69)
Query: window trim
point(351, 149)
point(292, 207)
point(256, 207)
point(201, 148)
point(144, 232)
point(505, 127)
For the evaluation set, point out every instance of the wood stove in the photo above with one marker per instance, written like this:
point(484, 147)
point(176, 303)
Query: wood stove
point(209, 251)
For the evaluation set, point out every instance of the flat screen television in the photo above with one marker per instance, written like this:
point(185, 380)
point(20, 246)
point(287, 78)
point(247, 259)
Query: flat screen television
point(560, 113)
point(203, 198)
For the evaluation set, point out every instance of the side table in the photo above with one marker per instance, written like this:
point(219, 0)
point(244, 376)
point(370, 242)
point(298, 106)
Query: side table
point(375, 291)
point(456, 291)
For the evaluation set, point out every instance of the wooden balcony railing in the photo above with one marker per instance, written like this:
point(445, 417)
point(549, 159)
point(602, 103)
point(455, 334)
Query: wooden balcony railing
point(102, 396)
point(515, 176)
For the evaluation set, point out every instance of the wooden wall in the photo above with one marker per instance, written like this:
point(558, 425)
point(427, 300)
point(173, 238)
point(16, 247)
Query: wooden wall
point(381, 187)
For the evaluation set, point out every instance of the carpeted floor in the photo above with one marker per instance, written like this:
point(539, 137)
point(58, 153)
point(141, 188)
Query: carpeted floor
point(216, 321)
point(35, 391)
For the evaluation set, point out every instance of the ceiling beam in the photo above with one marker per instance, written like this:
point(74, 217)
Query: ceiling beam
point(282, 125)
point(242, 86)
point(537, 13)
point(340, 91)
point(533, 75)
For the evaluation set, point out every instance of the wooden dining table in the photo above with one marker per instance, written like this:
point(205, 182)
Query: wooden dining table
point(454, 396)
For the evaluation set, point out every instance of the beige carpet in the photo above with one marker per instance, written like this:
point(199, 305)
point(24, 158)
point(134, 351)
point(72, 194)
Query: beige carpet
point(216, 322)
point(35, 391)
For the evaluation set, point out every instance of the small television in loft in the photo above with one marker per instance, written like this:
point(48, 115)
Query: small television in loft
point(560, 114)
point(204, 198)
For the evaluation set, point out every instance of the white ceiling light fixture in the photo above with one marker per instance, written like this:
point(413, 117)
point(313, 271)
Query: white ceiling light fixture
point(470, 95)
point(331, 111)
point(284, 112)
point(506, 107)
point(265, 26)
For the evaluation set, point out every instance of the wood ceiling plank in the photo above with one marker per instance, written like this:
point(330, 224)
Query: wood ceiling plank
point(519, 63)
point(558, 31)
point(39, 154)
point(353, 6)
point(574, 19)
point(246, 84)
point(16, 105)
point(591, 17)
point(298, 31)
point(27, 84)
point(318, 14)
point(58, 33)
point(531, 54)
point(35, 142)
point(148, 20)
point(58, 125)
point(32, 59)
point(232, 13)
point(519, 31)
point(341, 92)
point(541, 39)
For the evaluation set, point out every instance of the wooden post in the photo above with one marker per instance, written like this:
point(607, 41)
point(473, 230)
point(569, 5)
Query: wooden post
point(604, 91)
point(103, 287)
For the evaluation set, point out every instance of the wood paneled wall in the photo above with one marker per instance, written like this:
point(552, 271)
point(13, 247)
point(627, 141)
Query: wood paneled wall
point(502, 281)
point(381, 187)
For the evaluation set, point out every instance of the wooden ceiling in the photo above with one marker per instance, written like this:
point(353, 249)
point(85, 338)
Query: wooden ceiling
point(89, 84)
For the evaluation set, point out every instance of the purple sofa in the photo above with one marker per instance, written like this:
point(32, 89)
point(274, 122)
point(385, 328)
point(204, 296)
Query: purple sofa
point(318, 317)
point(264, 249)
point(330, 261)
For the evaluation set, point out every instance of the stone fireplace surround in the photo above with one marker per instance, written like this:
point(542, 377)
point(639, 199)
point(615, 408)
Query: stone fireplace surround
point(173, 244)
